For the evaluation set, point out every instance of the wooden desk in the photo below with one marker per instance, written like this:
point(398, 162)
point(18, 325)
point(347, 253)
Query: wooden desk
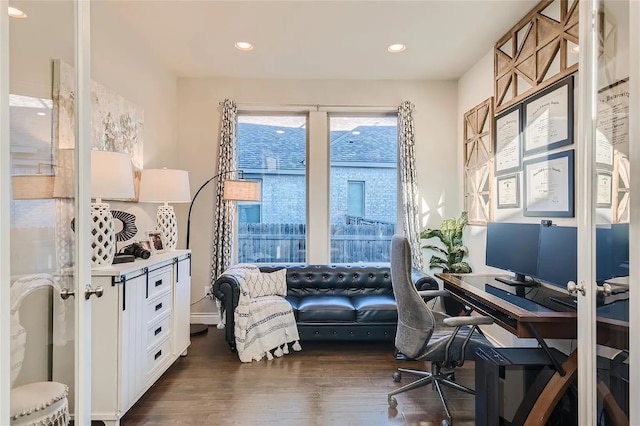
point(470, 289)
point(540, 314)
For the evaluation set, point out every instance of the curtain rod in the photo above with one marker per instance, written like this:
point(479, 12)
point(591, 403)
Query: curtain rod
point(317, 107)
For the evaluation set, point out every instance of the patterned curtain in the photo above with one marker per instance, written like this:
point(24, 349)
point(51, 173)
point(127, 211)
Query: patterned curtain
point(224, 210)
point(406, 150)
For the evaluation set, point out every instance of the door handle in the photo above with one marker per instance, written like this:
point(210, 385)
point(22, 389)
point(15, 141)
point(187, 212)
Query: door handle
point(605, 289)
point(88, 291)
point(574, 288)
point(65, 293)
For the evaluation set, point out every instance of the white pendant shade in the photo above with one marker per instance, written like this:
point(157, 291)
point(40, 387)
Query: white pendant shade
point(111, 176)
point(164, 186)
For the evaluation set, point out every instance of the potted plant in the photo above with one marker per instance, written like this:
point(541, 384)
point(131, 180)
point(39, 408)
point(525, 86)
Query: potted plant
point(450, 235)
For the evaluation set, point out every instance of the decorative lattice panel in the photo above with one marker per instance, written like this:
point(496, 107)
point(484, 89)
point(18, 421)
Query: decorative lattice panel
point(540, 50)
point(478, 162)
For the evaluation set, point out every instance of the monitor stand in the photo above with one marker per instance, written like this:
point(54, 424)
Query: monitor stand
point(520, 282)
point(516, 282)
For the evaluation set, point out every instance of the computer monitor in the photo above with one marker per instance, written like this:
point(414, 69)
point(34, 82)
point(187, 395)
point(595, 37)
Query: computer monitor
point(558, 262)
point(558, 255)
point(513, 247)
point(620, 249)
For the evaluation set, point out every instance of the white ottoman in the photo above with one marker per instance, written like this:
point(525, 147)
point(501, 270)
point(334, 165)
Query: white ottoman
point(41, 404)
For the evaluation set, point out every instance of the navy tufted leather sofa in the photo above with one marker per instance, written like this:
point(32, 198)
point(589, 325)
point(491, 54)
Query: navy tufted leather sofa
point(332, 302)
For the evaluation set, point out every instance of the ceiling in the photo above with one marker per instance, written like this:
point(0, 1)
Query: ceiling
point(317, 39)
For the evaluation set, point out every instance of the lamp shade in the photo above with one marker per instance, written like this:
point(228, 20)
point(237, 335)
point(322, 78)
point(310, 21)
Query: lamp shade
point(164, 186)
point(241, 190)
point(111, 175)
point(32, 187)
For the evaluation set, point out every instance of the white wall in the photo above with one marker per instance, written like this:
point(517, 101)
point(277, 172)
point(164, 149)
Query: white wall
point(199, 123)
point(121, 64)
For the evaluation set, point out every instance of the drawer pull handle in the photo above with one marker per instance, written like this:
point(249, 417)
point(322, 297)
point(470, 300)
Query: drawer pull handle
point(158, 306)
point(156, 356)
point(158, 283)
point(158, 330)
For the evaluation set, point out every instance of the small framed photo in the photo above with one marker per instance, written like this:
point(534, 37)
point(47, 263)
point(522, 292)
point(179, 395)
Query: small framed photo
point(155, 241)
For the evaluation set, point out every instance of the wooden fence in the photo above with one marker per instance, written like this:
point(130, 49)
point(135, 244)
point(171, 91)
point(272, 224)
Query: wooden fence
point(275, 242)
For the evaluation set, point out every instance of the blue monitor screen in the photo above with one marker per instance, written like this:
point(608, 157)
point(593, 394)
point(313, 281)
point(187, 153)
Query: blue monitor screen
point(620, 252)
point(558, 257)
point(513, 247)
point(557, 260)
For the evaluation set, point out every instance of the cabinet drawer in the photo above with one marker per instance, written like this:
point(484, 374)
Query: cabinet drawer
point(158, 307)
point(157, 357)
point(158, 331)
point(159, 281)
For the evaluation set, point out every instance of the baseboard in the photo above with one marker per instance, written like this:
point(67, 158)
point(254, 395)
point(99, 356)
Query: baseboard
point(205, 318)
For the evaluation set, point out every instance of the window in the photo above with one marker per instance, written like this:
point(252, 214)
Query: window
point(272, 150)
point(249, 212)
point(355, 199)
point(363, 188)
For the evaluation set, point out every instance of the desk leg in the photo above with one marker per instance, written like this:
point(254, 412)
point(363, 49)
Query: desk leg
point(610, 405)
point(552, 393)
point(545, 347)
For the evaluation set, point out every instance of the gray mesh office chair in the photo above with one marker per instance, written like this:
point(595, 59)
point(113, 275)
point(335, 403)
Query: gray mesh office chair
point(425, 335)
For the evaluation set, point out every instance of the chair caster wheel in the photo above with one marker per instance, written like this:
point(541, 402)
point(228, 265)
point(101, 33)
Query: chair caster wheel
point(445, 422)
point(392, 402)
point(397, 377)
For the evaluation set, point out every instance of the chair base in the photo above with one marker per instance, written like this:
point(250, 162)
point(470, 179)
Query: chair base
point(436, 377)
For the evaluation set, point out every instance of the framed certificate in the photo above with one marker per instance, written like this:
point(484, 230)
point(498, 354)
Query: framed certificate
point(548, 118)
point(508, 192)
point(508, 141)
point(604, 182)
point(549, 185)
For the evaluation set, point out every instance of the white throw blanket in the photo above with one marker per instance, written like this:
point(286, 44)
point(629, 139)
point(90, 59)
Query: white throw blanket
point(262, 324)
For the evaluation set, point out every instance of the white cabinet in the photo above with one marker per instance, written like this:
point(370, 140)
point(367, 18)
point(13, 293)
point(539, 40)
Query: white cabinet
point(140, 326)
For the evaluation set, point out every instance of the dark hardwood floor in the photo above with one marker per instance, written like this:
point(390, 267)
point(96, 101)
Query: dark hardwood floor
point(324, 384)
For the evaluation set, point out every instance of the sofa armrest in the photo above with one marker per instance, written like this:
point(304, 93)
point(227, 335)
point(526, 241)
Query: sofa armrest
point(423, 281)
point(227, 290)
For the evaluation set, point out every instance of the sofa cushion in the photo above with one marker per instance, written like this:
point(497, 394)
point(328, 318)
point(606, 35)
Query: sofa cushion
point(326, 309)
point(375, 308)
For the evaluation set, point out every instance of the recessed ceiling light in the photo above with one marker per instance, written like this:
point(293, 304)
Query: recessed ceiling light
point(280, 132)
point(355, 132)
point(396, 48)
point(16, 13)
point(41, 113)
point(245, 46)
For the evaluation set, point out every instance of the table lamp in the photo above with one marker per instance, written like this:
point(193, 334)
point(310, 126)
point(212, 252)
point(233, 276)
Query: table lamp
point(165, 186)
point(111, 179)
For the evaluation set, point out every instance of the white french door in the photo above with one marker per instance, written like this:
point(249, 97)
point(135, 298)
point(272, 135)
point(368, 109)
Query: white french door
point(36, 242)
point(608, 213)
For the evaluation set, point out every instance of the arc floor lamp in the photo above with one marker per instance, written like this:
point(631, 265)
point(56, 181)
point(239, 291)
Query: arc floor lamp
point(233, 190)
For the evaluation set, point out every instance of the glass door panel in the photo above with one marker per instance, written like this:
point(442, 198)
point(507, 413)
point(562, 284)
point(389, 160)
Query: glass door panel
point(603, 311)
point(47, 351)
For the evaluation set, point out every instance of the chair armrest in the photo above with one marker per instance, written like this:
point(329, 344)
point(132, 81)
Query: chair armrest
point(434, 293)
point(469, 320)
